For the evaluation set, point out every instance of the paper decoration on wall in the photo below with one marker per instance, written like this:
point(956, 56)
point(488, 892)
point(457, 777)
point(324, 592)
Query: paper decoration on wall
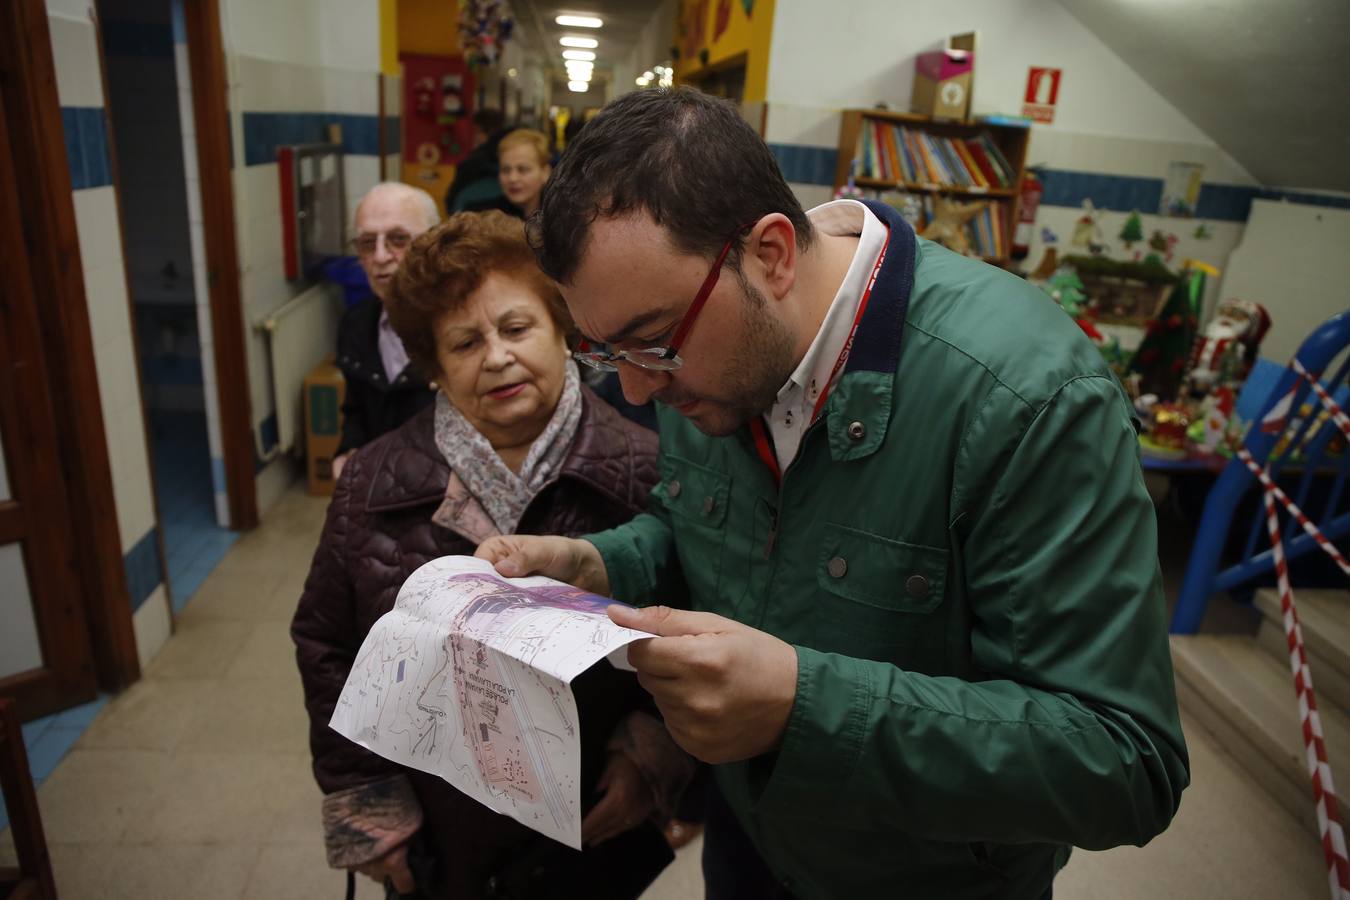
point(723, 19)
point(1203, 232)
point(1163, 243)
point(484, 26)
point(1133, 230)
point(1181, 190)
point(748, 6)
point(1087, 233)
point(693, 25)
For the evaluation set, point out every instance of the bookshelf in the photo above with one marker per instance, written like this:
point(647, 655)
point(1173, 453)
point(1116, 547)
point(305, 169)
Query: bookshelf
point(902, 154)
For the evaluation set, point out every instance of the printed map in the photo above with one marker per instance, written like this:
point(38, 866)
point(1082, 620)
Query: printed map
point(468, 676)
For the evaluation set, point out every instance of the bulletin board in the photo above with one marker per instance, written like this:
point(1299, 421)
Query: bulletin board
point(438, 101)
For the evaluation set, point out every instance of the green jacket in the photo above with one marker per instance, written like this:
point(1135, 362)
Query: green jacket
point(965, 558)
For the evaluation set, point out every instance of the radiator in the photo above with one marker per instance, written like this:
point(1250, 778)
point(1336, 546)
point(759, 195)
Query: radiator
point(300, 334)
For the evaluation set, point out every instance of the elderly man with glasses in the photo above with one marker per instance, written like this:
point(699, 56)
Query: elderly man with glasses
point(901, 570)
point(382, 391)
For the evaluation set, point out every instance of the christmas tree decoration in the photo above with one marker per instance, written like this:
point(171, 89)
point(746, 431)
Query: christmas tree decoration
point(1133, 230)
point(1066, 289)
point(1161, 358)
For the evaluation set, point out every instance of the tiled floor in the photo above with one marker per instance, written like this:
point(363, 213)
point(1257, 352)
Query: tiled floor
point(195, 782)
point(193, 543)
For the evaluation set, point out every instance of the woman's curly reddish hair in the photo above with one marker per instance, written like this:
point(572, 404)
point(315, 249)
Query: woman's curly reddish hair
point(447, 264)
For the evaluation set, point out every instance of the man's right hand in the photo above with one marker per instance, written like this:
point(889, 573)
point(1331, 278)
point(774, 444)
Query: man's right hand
point(572, 560)
point(393, 866)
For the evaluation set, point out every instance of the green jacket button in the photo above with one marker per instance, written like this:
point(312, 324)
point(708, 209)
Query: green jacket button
point(673, 490)
point(916, 585)
point(837, 567)
point(856, 430)
point(709, 504)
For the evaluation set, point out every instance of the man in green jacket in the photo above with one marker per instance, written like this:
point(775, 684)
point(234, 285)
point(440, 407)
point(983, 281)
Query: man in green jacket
point(910, 603)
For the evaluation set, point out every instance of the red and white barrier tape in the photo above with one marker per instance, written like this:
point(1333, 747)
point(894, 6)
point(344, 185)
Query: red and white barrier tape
point(1337, 414)
point(1314, 742)
point(1271, 488)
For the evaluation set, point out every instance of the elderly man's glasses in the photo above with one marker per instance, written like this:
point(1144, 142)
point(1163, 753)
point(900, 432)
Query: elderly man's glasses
point(658, 359)
point(397, 240)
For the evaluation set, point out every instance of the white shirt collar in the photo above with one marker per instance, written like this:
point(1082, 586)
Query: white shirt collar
point(791, 413)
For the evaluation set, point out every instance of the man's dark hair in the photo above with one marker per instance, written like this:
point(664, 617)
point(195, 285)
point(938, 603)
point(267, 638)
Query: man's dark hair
point(686, 159)
point(489, 121)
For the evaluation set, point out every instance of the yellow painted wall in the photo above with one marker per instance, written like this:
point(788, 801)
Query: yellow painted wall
point(389, 37)
point(749, 35)
point(428, 27)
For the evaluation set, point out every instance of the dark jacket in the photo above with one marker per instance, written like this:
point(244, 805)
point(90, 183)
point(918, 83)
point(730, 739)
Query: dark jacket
point(373, 405)
point(478, 168)
point(379, 530)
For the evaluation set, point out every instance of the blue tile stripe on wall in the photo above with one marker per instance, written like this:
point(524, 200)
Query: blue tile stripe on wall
point(143, 569)
point(86, 146)
point(265, 131)
point(1223, 202)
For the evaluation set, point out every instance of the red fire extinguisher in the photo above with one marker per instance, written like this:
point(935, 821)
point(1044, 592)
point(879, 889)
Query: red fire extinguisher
point(1032, 188)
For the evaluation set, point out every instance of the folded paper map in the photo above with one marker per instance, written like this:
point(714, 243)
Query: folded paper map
point(468, 676)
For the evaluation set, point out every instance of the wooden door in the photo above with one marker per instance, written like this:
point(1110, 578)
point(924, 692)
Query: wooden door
point(49, 663)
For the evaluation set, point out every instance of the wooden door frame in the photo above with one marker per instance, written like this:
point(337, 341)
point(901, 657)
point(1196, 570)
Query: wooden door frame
point(211, 116)
point(51, 253)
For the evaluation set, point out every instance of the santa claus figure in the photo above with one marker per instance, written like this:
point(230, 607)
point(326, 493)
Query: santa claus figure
point(1226, 350)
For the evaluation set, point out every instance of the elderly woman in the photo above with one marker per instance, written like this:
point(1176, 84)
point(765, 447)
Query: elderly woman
point(513, 444)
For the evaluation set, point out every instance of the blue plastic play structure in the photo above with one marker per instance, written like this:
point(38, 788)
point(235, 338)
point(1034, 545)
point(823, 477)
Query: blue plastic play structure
point(1316, 484)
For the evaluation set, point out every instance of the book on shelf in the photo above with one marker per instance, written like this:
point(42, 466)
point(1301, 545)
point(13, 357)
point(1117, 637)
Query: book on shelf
point(893, 152)
point(987, 232)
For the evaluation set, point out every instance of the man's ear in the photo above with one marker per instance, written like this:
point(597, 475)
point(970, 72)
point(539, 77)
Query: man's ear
point(772, 248)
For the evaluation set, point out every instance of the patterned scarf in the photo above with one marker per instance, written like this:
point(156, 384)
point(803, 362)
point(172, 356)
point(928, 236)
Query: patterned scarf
point(475, 466)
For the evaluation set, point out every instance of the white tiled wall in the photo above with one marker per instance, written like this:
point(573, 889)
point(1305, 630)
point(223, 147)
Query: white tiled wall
point(19, 647)
point(79, 83)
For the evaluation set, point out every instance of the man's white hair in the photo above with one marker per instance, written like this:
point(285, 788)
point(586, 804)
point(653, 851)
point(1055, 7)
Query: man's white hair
point(424, 201)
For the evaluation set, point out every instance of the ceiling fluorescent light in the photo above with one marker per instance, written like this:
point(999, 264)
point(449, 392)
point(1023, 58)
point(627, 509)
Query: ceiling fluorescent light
point(579, 21)
point(578, 54)
point(582, 42)
point(578, 87)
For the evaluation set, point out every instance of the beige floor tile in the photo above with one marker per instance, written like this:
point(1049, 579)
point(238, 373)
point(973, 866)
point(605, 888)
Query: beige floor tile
point(152, 714)
point(94, 794)
point(297, 819)
point(300, 872)
point(237, 596)
point(1229, 839)
point(213, 798)
point(683, 878)
point(267, 652)
point(250, 716)
point(201, 872)
point(199, 648)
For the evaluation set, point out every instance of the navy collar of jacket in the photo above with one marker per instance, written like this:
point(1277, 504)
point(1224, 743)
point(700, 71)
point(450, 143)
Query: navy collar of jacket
point(859, 408)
